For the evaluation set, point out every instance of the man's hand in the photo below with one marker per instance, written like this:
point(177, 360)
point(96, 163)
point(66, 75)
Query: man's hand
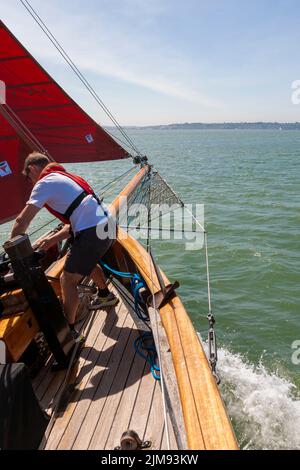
point(23, 220)
point(45, 243)
point(50, 240)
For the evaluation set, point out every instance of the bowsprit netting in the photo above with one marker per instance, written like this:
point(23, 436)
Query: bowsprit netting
point(151, 199)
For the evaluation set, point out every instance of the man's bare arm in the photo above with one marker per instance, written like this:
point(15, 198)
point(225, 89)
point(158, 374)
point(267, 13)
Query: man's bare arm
point(50, 240)
point(24, 219)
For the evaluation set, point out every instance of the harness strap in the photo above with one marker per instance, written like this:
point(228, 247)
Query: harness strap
point(77, 201)
point(74, 205)
point(87, 190)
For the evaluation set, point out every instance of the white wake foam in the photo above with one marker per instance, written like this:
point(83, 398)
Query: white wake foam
point(262, 406)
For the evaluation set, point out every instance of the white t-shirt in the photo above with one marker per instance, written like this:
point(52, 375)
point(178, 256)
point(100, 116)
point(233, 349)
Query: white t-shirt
point(59, 191)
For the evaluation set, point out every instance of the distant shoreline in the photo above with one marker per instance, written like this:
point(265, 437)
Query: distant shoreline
point(286, 126)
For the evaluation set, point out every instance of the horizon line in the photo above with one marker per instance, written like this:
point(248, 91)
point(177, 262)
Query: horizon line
point(284, 123)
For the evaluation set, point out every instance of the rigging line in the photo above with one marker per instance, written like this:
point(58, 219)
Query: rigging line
point(21, 128)
point(75, 69)
point(40, 228)
point(30, 135)
point(35, 231)
point(15, 126)
point(212, 342)
point(118, 138)
point(149, 212)
point(130, 201)
point(181, 202)
point(125, 213)
point(162, 214)
point(18, 122)
point(24, 132)
point(107, 193)
point(195, 219)
point(207, 273)
point(133, 197)
point(162, 380)
point(158, 229)
point(136, 199)
point(125, 296)
point(116, 180)
point(60, 49)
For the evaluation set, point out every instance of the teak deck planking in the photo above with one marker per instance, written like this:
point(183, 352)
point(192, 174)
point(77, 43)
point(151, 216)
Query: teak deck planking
point(114, 390)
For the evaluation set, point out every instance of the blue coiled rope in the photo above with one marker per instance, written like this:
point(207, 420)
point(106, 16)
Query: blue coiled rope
point(138, 283)
point(152, 354)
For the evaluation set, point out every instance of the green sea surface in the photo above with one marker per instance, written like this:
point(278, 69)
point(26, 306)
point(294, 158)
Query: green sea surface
point(248, 182)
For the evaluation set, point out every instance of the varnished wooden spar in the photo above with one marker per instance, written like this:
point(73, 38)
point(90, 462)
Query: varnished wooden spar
point(116, 205)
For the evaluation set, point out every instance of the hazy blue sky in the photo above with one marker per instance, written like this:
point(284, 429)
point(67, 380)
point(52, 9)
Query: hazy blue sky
point(164, 61)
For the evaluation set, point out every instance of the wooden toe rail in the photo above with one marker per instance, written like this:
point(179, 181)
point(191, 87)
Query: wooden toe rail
point(206, 421)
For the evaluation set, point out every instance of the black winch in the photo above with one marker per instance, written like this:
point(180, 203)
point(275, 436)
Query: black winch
point(41, 297)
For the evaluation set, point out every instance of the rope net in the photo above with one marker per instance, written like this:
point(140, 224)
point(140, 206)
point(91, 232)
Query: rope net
point(150, 200)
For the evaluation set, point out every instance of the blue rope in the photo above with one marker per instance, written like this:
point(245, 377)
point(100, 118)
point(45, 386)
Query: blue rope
point(136, 284)
point(114, 271)
point(152, 354)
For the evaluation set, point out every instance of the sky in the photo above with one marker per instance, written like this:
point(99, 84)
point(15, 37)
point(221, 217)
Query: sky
point(171, 61)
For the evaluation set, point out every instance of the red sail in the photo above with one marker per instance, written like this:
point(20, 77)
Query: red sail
point(39, 114)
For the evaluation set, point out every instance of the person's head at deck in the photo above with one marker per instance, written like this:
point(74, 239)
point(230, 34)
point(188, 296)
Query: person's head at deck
point(34, 165)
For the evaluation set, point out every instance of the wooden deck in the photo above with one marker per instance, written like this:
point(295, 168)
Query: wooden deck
point(109, 391)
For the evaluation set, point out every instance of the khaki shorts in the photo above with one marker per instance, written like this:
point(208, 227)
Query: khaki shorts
point(86, 251)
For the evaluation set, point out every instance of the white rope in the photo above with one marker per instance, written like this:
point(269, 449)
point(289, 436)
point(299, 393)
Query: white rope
point(159, 359)
point(207, 272)
point(194, 218)
point(206, 256)
point(109, 186)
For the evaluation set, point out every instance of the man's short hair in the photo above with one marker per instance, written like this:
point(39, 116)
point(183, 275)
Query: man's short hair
point(35, 158)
